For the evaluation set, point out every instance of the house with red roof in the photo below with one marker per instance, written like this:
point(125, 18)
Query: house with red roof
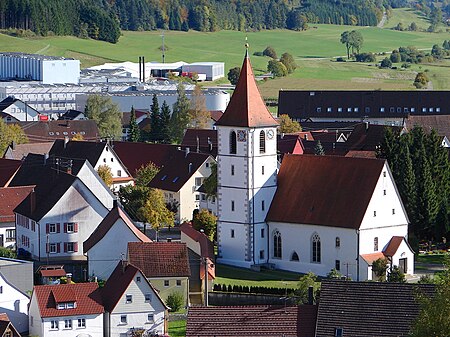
point(165, 264)
point(182, 172)
point(66, 309)
point(108, 244)
point(10, 198)
point(7, 329)
point(14, 303)
point(316, 213)
point(8, 168)
point(132, 304)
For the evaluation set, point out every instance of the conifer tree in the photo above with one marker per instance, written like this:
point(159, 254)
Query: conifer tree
point(318, 149)
point(155, 120)
point(134, 134)
point(405, 178)
point(165, 123)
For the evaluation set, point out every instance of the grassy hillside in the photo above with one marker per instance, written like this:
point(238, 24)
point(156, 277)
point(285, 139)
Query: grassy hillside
point(313, 49)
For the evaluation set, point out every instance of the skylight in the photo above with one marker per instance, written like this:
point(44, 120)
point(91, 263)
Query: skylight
point(175, 179)
point(164, 177)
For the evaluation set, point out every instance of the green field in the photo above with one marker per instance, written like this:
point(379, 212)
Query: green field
point(177, 328)
point(314, 49)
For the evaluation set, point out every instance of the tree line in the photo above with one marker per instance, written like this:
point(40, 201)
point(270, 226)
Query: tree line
point(421, 170)
point(102, 20)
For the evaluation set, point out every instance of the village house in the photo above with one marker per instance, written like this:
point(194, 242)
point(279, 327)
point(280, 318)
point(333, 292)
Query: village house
point(165, 264)
point(66, 206)
point(14, 303)
point(10, 198)
point(7, 329)
point(132, 304)
point(317, 214)
point(97, 153)
point(181, 172)
point(21, 151)
point(14, 110)
point(70, 310)
point(108, 244)
point(8, 168)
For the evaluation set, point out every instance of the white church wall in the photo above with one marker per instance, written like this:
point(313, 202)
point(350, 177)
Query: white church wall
point(298, 238)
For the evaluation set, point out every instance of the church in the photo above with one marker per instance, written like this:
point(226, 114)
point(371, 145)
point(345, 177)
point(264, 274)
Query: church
point(311, 213)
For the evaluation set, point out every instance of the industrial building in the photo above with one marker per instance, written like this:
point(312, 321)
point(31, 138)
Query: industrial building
point(42, 68)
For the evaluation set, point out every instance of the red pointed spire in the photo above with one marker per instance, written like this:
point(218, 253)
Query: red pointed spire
point(246, 107)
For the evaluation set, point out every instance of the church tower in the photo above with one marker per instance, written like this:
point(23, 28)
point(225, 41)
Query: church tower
point(247, 174)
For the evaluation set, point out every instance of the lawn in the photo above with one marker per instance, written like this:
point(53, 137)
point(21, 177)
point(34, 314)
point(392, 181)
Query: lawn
point(406, 16)
point(431, 258)
point(266, 278)
point(177, 328)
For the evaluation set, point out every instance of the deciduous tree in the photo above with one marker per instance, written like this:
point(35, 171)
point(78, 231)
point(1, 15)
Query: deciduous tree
point(145, 174)
point(289, 62)
point(277, 68)
point(233, 75)
point(206, 221)
point(180, 115)
point(199, 115)
point(104, 171)
point(287, 125)
point(155, 211)
point(10, 133)
point(106, 114)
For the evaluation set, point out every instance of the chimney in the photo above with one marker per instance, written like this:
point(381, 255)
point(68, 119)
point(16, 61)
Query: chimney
point(32, 201)
point(143, 69)
point(69, 278)
point(45, 158)
point(311, 295)
point(367, 125)
point(115, 203)
point(190, 167)
point(210, 146)
point(66, 140)
point(198, 145)
point(140, 70)
point(13, 145)
point(282, 135)
point(305, 137)
point(187, 150)
point(69, 167)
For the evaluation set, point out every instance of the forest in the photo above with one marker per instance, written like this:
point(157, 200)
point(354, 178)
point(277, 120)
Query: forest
point(103, 19)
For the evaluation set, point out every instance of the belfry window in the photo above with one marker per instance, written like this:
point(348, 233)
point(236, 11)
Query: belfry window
point(262, 142)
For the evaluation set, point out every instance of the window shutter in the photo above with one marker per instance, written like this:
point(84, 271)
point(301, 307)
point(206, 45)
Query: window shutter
point(47, 228)
point(58, 227)
point(75, 247)
point(65, 227)
point(75, 227)
point(58, 247)
point(65, 247)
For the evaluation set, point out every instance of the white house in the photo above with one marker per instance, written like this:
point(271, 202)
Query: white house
point(108, 244)
point(97, 153)
point(17, 110)
point(53, 221)
point(10, 197)
point(14, 303)
point(132, 304)
point(69, 310)
point(318, 213)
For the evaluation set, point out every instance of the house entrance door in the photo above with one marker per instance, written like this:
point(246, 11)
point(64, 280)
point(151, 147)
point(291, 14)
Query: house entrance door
point(403, 265)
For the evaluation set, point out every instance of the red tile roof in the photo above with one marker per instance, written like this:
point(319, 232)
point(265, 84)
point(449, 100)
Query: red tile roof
point(367, 137)
point(246, 107)
point(253, 321)
point(371, 257)
point(8, 169)
point(440, 123)
point(393, 245)
point(10, 198)
point(160, 259)
point(53, 272)
point(107, 223)
point(88, 301)
point(289, 144)
point(361, 154)
point(215, 115)
point(205, 140)
point(319, 190)
point(118, 282)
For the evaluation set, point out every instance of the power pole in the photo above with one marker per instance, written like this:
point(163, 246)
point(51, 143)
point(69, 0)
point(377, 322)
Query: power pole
point(205, 261)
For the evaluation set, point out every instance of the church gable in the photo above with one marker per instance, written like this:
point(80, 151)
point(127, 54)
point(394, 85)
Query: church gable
point(324, 190)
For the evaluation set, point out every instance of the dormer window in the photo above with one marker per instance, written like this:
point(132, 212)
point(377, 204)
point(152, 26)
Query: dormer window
point(66, 305)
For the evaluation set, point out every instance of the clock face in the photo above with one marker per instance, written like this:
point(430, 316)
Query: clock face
point(270, 134)
point(241, 136)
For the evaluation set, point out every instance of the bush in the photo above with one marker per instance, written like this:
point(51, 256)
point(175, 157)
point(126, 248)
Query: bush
point(340, 59)
point(258, 53)
point(6, 252)
point(269, 51)
point(175, 301)
point(386, 63)
point(365, 57)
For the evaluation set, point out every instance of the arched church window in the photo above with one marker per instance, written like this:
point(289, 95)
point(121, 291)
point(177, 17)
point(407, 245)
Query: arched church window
point(262, 142)
point(294, 257)
point(277, 245)
point(315, 243)
point(233, 142)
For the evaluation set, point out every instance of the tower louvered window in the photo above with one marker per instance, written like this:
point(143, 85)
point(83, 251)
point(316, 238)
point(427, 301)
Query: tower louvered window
point(233, 142)
point(262, 142)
